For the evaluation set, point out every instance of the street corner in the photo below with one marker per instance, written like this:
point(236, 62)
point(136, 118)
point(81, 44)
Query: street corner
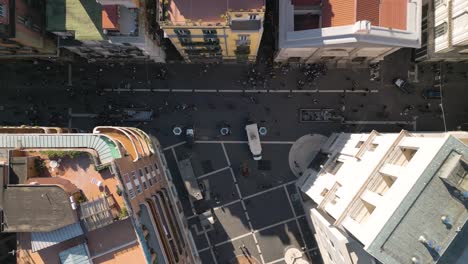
point(303, 152)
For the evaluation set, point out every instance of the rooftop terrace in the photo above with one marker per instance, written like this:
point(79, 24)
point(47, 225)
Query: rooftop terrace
point(207, 10)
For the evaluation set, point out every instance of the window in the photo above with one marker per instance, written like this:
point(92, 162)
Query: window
point(359, 144)
point(373, 146)
point(331, 243)
point(131, 192)
point(211, 40)
point(185, 40)
point(244, 37)
point(324, 192)
point(153, 173)
point(138, 188)
point(334, 166)
point(209, 31)
point(253, 17)
point(126, 178)
point(182, 32)
point(146, 170)
point(141, 172)
point(439, 2)
point(440, 30)
point(144, 185)
point(403, 156)
point(150, 181)
point(134, 175)
point(2, 10)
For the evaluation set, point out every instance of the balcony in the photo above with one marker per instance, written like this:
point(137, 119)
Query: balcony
point(242, 50)
point(242, 42)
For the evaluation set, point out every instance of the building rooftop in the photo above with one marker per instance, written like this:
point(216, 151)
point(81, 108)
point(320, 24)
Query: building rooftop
point(75, 255)
point(41, 240)
point(384, 13)
point(39, 208)
point(442, 203)
point(110, 17)
point(208, 10)
point(84, 18)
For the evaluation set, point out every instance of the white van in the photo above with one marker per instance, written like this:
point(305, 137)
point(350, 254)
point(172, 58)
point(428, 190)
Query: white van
point(254, 141)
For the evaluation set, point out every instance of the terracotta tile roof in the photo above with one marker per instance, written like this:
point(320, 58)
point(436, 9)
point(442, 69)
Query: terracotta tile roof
point(368, 10)
point(393, 14)
point(338, 13)
point(110, 17)
point(384, 13)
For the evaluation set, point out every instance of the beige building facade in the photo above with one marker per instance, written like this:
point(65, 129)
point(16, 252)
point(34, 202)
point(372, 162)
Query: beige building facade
point(210, 30)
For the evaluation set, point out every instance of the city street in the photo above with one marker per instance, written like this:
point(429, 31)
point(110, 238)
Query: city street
point(255, 204)
point(260, 210)
point(208, 96)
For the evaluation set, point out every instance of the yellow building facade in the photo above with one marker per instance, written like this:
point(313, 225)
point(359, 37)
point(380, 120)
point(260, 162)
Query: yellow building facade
point(215, 32)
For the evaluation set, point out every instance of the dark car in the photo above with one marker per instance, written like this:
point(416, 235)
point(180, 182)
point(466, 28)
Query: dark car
point(402, 85)
point(431, 94)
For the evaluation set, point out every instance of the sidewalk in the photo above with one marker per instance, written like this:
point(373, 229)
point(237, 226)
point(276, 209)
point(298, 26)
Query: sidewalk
point(303, 152)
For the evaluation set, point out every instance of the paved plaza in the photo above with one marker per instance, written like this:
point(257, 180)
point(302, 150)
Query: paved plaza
point(260, 209)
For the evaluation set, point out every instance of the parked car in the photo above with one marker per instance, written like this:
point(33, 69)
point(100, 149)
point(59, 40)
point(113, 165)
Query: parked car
point(431, 93)
point(402, 85)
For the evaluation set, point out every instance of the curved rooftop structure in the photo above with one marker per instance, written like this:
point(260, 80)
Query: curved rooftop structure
point(105, 147)
point(135, 142)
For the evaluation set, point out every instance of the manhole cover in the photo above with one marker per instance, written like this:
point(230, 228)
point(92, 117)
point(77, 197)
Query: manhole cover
point(264, 165)
point(207, 166)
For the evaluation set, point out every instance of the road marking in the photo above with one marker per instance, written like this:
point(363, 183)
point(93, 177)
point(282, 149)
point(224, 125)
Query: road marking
point(233, 239)
point(203, 249)
point(226, 204)
point(279, 223)
point(269, 190)
point(251, 196)
point(294, 213)
point(276, 261)
point(119, 90)
point(205, 90)
point(211, 173)
point(227, 158)
point(257, 230)
point(242, 201)
point(175, 145)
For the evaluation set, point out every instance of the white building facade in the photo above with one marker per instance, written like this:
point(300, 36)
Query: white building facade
point(444, 31)
point(343, 32)
point(367, 180)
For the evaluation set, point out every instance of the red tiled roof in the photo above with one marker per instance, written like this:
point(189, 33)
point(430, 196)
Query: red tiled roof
point(368, 10)
point(110, 17)
point(384, 13)
point(338, 13)
point(393, 14)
